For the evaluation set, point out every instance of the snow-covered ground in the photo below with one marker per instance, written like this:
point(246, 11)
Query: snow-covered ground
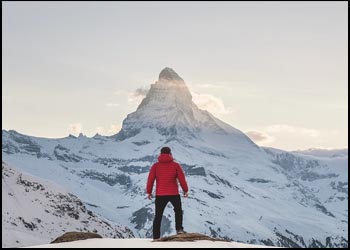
point(145, 243)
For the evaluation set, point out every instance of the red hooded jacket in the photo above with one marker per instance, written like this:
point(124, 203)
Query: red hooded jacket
point(166, 172)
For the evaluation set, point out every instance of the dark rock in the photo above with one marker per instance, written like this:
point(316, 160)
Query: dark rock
point(220, 180)
point(141, 143)
point(165, 226)
point(213, 195)
point(123, 134)
point(341, 187)
point(9, 148)
point(73, 236)
point(324, 210)
point(193, 170)
point(141, 216)
point(62, 154)
point(29, 225)
point(34, 185)
point(134, 169)
point(110, 179)
point(258, 180)
point(284, 241)
point(188, 237)
point(169, 74)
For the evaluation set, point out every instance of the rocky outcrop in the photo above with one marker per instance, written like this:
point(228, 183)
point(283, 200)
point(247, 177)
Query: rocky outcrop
point(73, 236)
point(189, 237)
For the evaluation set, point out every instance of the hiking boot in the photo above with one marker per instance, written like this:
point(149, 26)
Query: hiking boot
point(181, 231)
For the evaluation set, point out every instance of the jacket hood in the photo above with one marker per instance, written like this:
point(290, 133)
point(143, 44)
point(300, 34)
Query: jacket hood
point(165, 158)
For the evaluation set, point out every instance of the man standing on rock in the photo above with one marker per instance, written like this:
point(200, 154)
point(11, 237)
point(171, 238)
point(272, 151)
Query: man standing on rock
point(166, 172)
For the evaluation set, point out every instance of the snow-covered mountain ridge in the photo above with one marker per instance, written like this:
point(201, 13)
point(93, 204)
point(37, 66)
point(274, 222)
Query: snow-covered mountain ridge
point(324, 152)
point(35, 211)
point(238, 190)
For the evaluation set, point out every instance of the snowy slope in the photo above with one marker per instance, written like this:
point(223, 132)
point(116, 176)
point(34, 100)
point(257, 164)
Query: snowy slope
point(35, 211)
point(144, 243)
point(238, 190)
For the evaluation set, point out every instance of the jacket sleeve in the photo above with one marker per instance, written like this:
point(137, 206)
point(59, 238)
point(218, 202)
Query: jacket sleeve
point(181, 177)
point(150, 180)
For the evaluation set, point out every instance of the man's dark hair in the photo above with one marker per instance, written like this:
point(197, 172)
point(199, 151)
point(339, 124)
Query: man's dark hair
point(165, 150)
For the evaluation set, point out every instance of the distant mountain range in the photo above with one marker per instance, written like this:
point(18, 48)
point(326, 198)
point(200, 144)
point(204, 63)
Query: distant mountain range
point(324, 152)
point(238, 190)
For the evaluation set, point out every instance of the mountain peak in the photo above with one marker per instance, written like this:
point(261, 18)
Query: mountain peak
point(169, 74)
point(168, 107)
point(81, 135)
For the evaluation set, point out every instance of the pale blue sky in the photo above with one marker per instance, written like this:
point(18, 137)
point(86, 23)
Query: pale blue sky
point(275, 70)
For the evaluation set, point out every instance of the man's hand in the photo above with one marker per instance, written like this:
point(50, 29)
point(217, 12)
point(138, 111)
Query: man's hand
point(149, 196)
point(186, 195)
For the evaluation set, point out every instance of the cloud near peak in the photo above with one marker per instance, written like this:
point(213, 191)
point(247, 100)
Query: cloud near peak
point(260, 137)
point(211, 103)
point(112, 130)
point(137, 95)
point(204, 101)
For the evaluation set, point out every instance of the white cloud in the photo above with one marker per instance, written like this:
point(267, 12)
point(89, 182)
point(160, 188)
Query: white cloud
point(260, 137)
point(75, 128)
point(141, 92)
point(289, 137)
point(204, 101)
point(310, 132)
point(137, 95)
point(288, 129)
point(211, 103)
point(114, 129)
point(100, 130)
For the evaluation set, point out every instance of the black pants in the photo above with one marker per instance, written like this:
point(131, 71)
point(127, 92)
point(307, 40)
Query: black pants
point(161, 202)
